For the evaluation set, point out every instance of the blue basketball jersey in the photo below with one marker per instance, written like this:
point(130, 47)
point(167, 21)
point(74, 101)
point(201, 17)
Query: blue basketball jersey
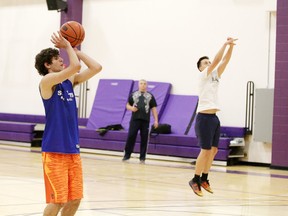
point(61, 128)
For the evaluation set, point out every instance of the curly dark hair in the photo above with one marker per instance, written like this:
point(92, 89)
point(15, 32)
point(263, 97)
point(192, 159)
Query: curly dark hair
point(45, 56)
point(199, 61)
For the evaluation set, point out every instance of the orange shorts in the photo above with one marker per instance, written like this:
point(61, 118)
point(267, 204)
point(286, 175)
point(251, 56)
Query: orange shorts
point(63, 177)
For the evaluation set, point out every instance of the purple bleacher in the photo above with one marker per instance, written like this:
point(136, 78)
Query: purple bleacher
point(185, 140)
point(110, 102)
point(184, 151)
point(101, 144)
point(187, 151)
point(17, 127)
point(176, 110)
point(233, 131)
point(22, 118)
point(12, 130)
point(115, 140)
point(14, 136)
point(110, 135)
point(169, 150)
point(178, 113)
point(16, 131)
point(176, 144)
point(106, 145)
point(160, 91)
point(157, 149)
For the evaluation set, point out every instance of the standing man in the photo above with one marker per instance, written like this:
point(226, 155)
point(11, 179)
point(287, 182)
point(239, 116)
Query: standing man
point(60, 145)
point(140, 102)
point(207, 123)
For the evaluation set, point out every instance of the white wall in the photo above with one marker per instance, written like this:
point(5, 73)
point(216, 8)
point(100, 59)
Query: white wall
point(159, 40)
point(162, 40)
point(26, 27)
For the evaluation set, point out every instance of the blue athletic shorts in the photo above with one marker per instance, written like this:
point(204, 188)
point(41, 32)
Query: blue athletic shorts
point(207, 130)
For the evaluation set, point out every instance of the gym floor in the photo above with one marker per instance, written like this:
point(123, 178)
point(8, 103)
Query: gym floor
point(158, 187)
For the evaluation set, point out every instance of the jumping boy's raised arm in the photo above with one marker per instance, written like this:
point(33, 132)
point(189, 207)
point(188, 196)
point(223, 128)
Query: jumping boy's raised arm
point(227, 56)
point(219, 56)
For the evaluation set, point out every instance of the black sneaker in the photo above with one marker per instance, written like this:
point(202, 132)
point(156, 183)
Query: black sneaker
point(196, 187)
point(125, 158)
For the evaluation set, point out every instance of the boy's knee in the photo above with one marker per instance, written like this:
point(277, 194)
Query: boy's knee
point(214, 150)
point(75, 202)
point(205, 152)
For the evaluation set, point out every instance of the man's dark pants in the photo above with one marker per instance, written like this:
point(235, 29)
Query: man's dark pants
point(135, 126)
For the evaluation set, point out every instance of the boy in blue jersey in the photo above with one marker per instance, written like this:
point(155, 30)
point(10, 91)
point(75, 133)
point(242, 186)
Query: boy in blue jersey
point(60, 145)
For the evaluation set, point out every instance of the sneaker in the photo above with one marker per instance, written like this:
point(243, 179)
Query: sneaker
point(125, 158)
point(196, 188)
point(206, 186)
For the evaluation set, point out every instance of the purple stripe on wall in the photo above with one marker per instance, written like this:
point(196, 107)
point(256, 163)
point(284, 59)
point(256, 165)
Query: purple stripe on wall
point(74, 13)
point(280, 115)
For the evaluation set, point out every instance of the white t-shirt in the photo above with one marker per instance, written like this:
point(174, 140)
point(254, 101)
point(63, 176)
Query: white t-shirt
point(208, 91)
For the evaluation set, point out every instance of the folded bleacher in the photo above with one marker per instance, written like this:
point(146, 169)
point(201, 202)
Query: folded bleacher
point(115, 140)
point(109, 108)
point(177, 110)
point(24, 129)
point(21, 128)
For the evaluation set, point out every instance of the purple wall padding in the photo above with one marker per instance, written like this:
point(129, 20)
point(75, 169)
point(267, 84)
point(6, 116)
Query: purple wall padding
point(178, 112)
point(110, 103)
point(160, 90)
point(280, 115)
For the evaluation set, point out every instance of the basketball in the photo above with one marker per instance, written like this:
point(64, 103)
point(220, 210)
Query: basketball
point(73, 32)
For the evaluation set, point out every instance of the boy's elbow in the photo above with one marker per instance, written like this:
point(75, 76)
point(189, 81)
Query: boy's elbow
point(96, 69)
point(99, 68)
point(78, 67)
point(74, 68)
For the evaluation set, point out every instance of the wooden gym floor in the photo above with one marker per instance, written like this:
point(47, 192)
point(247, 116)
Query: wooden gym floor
point(158, 188)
